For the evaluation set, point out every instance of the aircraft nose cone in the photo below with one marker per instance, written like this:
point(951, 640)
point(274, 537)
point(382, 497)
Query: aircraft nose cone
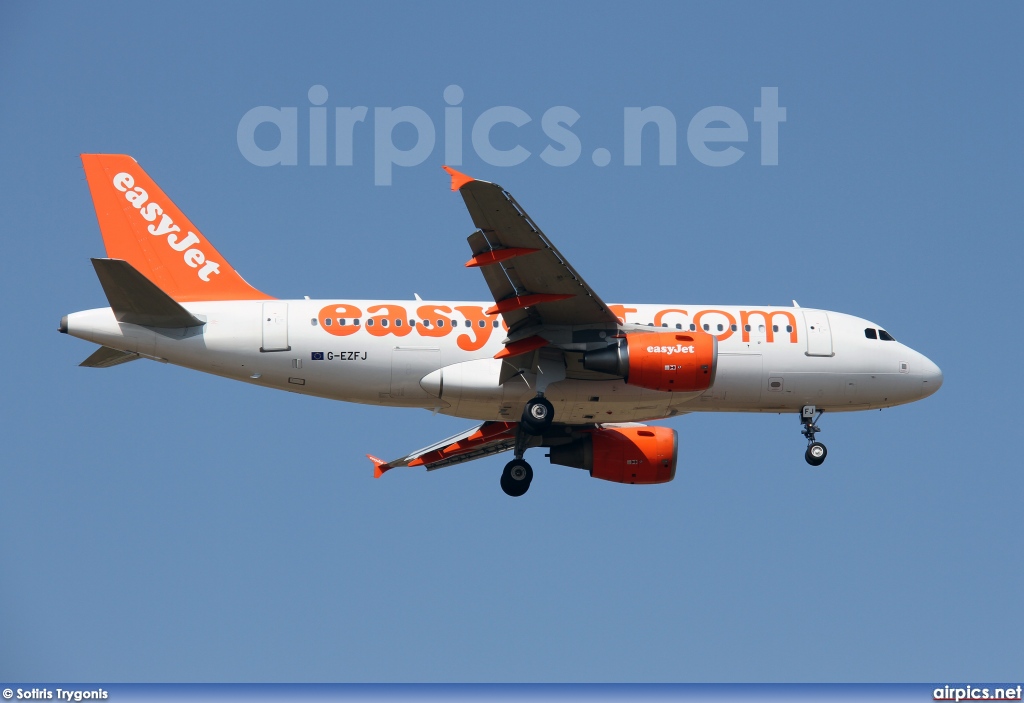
point(931, 377)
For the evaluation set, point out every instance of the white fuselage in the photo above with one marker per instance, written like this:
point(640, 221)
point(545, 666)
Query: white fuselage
point(769, 359)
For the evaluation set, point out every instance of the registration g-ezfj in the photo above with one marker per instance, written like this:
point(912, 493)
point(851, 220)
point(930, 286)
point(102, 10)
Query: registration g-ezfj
point(547, 363)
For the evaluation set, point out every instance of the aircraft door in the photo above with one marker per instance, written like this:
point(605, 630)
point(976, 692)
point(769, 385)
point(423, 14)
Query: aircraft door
point(275, 327)
point(818, 333)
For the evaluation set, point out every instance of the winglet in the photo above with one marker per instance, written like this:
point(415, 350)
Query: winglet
point(379, 466)
point(458, 179)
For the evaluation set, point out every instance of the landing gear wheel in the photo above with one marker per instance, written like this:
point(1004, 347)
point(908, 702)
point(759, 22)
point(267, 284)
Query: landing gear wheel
point(516, 478)
point(537, 416)
point(815, 454)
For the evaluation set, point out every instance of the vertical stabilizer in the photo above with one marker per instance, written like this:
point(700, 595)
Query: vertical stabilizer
point(142, 226)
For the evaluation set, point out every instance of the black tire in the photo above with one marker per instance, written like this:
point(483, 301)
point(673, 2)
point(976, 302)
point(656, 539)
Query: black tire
point(815, 454)
point(516, 478)
point(537, 416)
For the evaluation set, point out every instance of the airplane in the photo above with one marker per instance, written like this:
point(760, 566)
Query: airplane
point(547, 363)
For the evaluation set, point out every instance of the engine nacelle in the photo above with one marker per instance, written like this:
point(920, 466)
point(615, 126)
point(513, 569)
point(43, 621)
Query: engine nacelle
point(623, 454)
point(683, 362)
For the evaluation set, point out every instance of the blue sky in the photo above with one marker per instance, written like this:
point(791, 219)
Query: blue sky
point(157, 524)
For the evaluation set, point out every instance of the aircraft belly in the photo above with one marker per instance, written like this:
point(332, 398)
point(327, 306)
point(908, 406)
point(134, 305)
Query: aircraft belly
point(575, 402)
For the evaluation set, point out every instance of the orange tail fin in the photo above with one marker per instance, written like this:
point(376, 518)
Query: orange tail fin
point(142, 226)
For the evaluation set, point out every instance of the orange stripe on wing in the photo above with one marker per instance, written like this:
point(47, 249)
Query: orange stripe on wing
point(495, 255)
point(523, 346)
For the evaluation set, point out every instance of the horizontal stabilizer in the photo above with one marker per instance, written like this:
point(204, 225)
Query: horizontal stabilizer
point(105, 357)
point(137, 300)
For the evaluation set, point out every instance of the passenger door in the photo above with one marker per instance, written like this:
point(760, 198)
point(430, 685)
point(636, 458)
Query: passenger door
point(275, 327)
point(818, 333)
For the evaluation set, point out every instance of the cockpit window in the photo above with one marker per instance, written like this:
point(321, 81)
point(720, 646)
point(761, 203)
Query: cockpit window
point(870, 333)
point(885, 336)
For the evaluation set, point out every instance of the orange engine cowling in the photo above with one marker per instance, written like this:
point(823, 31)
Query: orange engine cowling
point(662, 361)
point(623, 454)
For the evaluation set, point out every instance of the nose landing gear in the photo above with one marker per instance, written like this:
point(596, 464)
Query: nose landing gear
point(816, 451)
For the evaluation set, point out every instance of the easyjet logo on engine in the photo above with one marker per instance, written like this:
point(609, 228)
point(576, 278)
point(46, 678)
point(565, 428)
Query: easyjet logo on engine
point(150, 211)
point(677, 349)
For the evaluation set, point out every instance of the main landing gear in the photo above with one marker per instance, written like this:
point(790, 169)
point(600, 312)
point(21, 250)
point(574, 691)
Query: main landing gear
point(816, 451)
point(537, 417)
point(516, 478)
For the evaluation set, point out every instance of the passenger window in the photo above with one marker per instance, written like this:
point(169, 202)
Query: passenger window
point(870, 333)
point(355, 322)
point(775, 328)
point(693, 327)
point(732, 327)
point(679, 326)
point(482, 324)
point(720, 327)
point(341, 321)
point(468, 323)
point(885, 336)
point(664, 324)
point(440, 323)
point(313, 322)
point(746, 328)
point(369, 323)
point(789, 328)
point(426, 323)
point(494, 324)
point(398, 323)
point(412, 323)
point(707, 327)
point(327, 322)
point(760, 328)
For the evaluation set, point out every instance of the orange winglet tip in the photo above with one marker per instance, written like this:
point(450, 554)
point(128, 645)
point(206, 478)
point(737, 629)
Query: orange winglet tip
point(458, 179)
point(379, 466)
point(523, 346)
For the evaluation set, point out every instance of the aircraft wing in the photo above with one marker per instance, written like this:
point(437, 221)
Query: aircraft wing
point(483, 440)
point(532, 283)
